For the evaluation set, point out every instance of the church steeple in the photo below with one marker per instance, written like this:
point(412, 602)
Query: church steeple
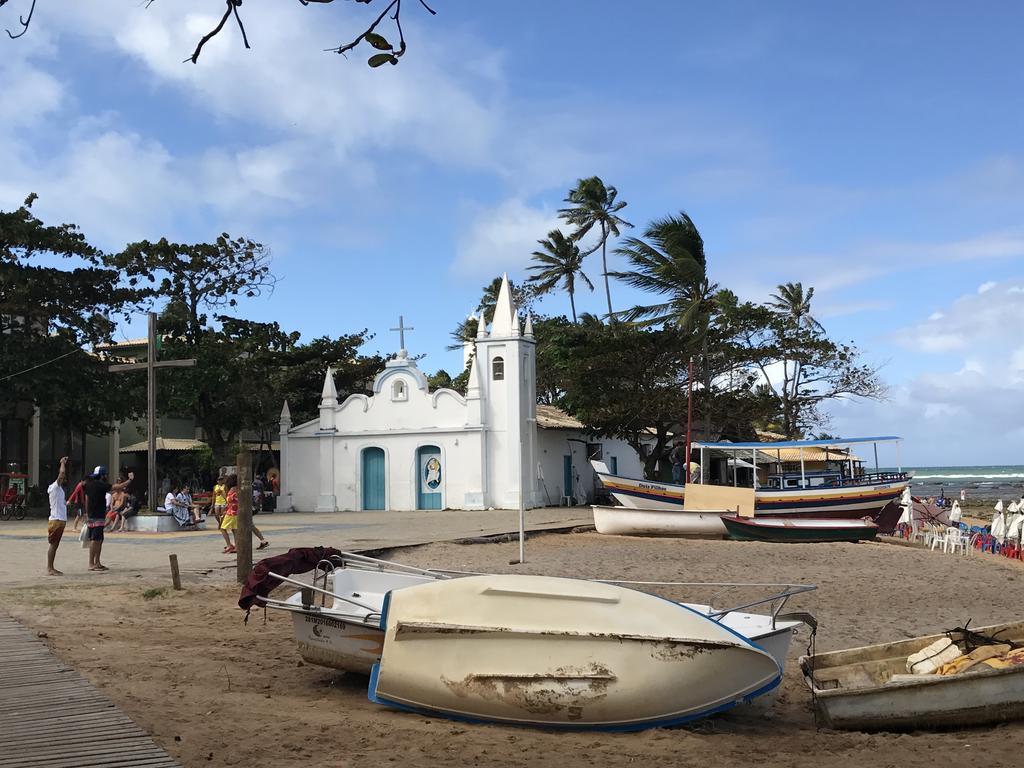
point(506, 320)
point(329, 395)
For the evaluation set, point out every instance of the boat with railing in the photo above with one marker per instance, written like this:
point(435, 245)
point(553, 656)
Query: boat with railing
point(793, 478)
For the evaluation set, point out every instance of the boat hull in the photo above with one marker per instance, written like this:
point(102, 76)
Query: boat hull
point(328, 641)
point(625, 521)
point(843, 503)
point(560, 653)
point(798, 530)
point(850, 692)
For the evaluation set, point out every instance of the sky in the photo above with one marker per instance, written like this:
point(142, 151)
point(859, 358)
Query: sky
point(871, 150)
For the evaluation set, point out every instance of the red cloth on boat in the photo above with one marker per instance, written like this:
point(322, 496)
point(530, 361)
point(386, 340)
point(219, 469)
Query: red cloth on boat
point(299, 560)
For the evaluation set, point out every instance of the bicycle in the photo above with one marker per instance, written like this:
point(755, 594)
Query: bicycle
point(13, 510)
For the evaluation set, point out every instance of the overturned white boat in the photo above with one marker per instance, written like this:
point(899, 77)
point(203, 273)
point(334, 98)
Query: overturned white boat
point(563, 653)
point(628, 521)
point(337, 618)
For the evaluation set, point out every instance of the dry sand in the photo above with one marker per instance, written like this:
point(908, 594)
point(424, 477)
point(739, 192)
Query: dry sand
point(215, 692)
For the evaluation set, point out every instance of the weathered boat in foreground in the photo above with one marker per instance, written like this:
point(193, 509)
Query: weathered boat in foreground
point(336, 618)
point(560, 653)
point(838, 493)
point(798, 530)
point(866, 688)
point(626, 521)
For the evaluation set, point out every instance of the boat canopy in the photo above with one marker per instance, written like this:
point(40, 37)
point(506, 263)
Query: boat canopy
point(831, 443)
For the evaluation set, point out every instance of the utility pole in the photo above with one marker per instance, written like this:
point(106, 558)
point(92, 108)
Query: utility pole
point(243, 534)
point(150, 367)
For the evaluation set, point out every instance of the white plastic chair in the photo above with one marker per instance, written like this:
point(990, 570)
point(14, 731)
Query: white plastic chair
point(939, 538)
point(956, 540)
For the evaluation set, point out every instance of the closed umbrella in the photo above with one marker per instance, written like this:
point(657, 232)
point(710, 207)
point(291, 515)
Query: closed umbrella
point(999, 523)
point(955, 513)
point(907, 502)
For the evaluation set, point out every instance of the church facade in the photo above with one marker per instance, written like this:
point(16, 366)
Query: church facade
point(405, 447)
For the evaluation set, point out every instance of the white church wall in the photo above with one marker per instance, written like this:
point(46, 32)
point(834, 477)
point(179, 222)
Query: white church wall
point(556, 444)
point(302, 454)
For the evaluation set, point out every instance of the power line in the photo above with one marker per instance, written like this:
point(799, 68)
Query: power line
point(41, 365)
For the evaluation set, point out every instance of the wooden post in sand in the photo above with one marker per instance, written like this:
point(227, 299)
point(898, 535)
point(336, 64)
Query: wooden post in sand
point(243, 535)
point(175, 573)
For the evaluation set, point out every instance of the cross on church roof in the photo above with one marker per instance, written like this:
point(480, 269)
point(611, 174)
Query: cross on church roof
point(402, 328)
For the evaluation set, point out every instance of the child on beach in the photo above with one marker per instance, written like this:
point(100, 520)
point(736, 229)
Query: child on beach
point(230, 521)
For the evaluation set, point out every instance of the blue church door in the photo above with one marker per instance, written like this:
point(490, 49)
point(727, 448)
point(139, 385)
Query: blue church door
point(374, 478)
point(428, 488)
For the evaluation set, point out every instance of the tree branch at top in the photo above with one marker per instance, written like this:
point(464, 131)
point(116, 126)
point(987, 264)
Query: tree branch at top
point(387, 53)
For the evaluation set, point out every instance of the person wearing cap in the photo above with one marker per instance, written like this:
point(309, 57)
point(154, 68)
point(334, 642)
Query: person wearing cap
point(96, 490)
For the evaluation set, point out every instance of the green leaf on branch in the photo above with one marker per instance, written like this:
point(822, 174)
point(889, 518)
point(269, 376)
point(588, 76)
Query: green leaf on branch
point(380, 59)
point(378, 42)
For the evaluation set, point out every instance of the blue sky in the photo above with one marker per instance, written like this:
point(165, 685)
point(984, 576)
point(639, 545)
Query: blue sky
point(873, 151)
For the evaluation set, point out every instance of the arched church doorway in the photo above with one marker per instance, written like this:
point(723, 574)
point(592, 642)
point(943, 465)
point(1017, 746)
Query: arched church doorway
point(429, 487)
point(374, 479)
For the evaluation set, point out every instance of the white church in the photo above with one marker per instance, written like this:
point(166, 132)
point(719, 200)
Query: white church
point(405, 447)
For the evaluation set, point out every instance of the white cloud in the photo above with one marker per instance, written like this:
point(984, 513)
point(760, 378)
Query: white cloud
point(986, 286)
point(502, 238)
point(969, 410)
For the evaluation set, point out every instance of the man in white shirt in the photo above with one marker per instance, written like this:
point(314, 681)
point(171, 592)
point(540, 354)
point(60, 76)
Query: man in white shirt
point(58, 516)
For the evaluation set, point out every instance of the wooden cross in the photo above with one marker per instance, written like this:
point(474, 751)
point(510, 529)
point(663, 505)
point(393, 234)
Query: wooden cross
point(402, 328)
point(150, 367)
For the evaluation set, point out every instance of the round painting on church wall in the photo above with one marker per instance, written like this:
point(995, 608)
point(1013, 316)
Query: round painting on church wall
point(432, 473)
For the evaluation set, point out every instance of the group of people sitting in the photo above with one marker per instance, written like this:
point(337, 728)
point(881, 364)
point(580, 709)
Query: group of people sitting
point(178, 502)
point(121, 504)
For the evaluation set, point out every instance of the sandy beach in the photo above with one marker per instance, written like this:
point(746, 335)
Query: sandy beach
point(216, 692)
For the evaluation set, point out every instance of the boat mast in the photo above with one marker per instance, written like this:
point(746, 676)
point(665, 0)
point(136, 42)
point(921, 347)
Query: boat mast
point(689, 419)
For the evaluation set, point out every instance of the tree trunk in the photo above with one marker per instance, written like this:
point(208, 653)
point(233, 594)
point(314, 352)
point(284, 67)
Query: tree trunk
point(572, 304)
point(604, 267)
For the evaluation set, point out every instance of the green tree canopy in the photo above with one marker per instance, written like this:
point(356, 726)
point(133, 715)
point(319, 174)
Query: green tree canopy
point(592, 204)
point(56, 301)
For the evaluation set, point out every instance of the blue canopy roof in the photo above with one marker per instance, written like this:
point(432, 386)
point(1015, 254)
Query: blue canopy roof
point(836, 443)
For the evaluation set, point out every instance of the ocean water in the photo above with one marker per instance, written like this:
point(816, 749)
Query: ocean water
point(984, 482)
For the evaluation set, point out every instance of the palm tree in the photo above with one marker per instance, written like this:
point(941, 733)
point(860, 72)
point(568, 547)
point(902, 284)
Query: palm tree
point(792, 303)
point(670, 262)
point(594, 204)
point(559, 261)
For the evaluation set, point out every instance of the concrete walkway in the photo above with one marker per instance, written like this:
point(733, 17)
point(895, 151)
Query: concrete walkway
point(23, 543)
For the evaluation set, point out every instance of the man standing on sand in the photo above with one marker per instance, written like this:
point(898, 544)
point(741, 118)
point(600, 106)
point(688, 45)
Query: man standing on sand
point(96, 490)
point(58, 516)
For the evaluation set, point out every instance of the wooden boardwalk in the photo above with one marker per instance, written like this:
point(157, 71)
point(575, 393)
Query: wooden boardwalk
point(54, 717)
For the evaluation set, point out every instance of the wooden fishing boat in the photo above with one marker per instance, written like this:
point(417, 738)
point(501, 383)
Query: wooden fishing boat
point(867, 688)
point(336, 619)
point(626, 521)
point(560, 653)
point(798, 530)
point(843, 492)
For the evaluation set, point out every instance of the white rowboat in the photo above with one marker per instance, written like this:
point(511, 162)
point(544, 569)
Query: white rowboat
point(564, 653)
point(855, 689)
point(626, 521)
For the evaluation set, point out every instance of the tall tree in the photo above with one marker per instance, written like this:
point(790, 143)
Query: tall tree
point(670, 262)
point(592, 204)
point(793, 303)
point(559, 261)
point(200, 281)
point(801, 366)
point(49, 315)
point(623, 381)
